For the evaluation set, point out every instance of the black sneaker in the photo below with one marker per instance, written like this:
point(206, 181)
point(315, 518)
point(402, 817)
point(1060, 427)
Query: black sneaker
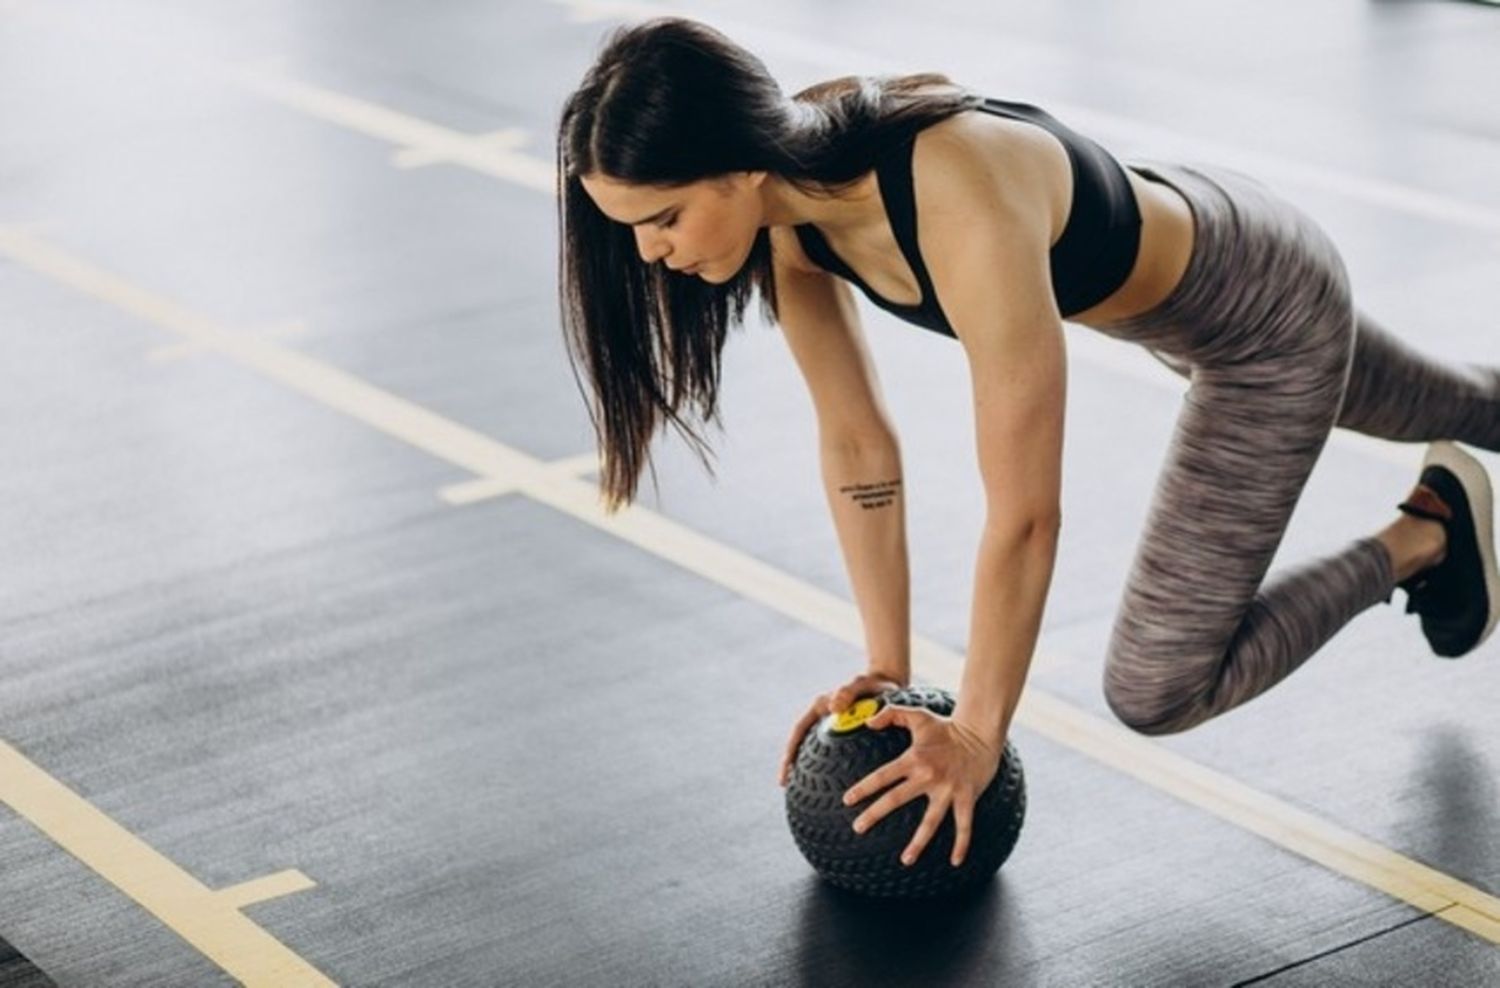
point(1458, 599)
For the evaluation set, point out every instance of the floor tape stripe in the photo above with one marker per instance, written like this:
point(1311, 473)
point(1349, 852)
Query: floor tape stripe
point(1334, 847)
point(211, 924)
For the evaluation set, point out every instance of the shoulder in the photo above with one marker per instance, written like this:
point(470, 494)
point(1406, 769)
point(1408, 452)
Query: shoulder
point(974, 166)
point(985, 210)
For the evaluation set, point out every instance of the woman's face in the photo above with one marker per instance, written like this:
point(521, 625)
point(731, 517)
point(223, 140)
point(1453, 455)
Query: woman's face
point(706, 228)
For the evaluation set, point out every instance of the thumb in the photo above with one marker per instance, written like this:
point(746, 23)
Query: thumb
point(885, 717)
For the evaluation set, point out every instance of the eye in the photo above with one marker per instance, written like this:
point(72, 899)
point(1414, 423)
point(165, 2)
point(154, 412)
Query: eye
point(671, 222)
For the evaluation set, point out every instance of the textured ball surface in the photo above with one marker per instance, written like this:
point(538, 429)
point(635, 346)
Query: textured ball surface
point(837, 753)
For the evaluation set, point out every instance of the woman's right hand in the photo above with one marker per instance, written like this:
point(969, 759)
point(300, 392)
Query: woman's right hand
point(833, 702)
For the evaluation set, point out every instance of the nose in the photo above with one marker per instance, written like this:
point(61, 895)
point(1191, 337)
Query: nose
point(652, 249)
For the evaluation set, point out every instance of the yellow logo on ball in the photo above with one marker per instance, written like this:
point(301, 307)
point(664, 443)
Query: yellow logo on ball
point(855, 716)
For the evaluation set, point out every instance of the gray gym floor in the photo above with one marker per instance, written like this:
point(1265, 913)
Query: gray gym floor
point(319, 667)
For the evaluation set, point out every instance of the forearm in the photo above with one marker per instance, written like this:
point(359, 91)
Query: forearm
point(864, 488)
point(1011, 581)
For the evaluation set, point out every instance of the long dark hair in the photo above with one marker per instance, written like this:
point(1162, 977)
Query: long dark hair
point(668, 102)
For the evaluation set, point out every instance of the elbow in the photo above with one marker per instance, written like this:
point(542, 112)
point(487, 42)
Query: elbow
point(866, 441)
point(1037, 524)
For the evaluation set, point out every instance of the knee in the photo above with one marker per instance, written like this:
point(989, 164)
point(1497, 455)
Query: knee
point(1141, 717)
point(1148, 707)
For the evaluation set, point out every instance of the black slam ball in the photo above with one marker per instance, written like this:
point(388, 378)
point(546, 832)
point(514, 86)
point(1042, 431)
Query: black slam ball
point(840, 751)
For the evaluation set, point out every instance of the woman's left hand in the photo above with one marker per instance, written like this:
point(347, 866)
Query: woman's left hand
point(948, 762)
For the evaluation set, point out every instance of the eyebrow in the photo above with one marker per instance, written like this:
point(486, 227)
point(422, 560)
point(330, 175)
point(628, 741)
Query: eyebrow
point(654, 216)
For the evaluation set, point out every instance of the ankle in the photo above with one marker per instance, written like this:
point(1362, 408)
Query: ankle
point(1414, 545)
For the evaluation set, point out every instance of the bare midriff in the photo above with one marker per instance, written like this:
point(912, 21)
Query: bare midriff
point(1166, 246)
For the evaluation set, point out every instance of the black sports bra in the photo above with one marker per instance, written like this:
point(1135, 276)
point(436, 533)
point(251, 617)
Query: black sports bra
point(1089, 262)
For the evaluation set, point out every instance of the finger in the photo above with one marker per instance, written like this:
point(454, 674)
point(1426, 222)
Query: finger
point(888, 715)
point(860, 686)
point(843, 697)
point(937, 808)
point(892, 771)
point(795, 741)
point(963, 822)
point(790, 754)
point(887, 804)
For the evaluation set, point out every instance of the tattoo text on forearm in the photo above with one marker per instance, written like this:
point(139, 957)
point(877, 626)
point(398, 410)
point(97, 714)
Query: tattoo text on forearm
point(872, 496)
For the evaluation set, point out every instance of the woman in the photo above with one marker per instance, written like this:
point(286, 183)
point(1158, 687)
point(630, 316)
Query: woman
point(687, 180)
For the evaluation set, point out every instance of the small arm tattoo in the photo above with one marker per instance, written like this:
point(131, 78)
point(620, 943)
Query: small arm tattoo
point(871, 496)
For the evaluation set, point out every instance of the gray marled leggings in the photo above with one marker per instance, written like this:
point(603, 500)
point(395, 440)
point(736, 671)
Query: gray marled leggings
point(1263, 326)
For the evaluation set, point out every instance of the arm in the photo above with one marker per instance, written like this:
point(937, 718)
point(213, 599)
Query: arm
point(858, 449)
point(1011, 582)
point(987, 249)
point(864, 485)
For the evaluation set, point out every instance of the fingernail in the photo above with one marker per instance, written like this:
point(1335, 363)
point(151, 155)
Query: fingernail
point(906, 859)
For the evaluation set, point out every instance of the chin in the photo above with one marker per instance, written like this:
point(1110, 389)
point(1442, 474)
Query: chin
point(718, 274)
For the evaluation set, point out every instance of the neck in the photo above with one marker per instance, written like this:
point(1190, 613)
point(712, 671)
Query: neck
point(783, 204)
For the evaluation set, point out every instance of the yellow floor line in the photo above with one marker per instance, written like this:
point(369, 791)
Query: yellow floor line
point(263, 889)
point(181, 351)
point(1334, 847)
point(420, 157)
point(206, 919)
point(425, 141)
point(473, 491)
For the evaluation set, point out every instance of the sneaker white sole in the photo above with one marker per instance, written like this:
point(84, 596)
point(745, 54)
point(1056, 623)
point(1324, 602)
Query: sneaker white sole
point(1476, 482)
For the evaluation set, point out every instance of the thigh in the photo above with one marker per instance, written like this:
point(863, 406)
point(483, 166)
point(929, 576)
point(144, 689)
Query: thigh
point(1267, 323)
point(1243, 447)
